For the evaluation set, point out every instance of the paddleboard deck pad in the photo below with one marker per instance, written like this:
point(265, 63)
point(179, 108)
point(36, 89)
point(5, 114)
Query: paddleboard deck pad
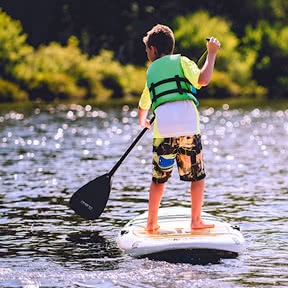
point(176, 242)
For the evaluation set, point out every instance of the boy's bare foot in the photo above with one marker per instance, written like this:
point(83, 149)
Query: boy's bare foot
point(201, 225)
point(152, 228)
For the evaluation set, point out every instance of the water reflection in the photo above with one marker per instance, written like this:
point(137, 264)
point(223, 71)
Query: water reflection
point(46, 154)
point(92, 250)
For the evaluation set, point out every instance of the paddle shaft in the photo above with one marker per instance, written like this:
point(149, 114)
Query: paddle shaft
point(203, 54)
point(85, 203)
point(113, 170)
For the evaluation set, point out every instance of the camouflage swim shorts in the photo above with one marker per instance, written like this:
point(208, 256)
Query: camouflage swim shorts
point(186, 150)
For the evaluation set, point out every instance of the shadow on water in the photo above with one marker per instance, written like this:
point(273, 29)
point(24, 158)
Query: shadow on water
point(38, 227)
point(194, 257)
point(87, 250)
point(92, 250)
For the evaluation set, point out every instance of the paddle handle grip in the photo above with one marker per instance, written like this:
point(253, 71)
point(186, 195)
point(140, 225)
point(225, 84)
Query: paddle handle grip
point(203, 54)
point(113, 170)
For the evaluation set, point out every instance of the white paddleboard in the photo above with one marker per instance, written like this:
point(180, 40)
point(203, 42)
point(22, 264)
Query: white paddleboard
point(176, 242)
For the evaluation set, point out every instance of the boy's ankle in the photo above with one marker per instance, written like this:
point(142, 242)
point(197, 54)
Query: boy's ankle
point(152, 227)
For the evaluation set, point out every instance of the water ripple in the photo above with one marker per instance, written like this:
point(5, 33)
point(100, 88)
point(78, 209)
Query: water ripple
point(46, 154)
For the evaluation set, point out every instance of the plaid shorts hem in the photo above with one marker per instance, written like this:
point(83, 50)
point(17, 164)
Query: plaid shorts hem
point(160, 181)
point(192, 179)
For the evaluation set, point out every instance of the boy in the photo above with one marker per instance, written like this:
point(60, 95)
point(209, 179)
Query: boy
point(170, 88)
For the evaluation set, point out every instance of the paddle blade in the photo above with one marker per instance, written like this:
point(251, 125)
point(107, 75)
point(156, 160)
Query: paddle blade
point(91, 199)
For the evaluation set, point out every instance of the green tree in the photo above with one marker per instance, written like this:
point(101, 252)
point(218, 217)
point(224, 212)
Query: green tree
point(13, 46)
point(13, 49)
point(271, 64)
point(233, 71)
point(54, 71)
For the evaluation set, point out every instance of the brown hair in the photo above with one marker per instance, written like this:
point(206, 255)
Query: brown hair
point(161, 37)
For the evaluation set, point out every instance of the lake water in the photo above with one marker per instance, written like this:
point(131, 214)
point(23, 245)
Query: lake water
point(47, 154)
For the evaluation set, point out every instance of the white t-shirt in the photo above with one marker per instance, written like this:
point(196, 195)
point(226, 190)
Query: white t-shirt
point(183, 119)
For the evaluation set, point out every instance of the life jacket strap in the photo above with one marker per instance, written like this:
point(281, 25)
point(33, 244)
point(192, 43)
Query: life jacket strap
point(179, 89)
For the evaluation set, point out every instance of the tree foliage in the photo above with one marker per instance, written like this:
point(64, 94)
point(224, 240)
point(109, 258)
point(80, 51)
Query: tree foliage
point(54, 68)
point(13, 46)
point(233, 71)
point(94, 49)
point(269, 44)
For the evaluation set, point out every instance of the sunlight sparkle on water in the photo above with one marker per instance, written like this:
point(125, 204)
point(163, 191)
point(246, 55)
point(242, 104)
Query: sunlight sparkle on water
point(44, 243)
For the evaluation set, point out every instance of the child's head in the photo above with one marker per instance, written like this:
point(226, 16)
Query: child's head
point(161, 37)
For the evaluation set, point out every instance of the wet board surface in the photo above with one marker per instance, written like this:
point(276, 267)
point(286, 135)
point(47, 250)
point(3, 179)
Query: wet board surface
point(174, 230)
point(175, 235)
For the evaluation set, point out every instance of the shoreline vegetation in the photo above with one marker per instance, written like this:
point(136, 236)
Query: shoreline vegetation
point(230, 103)
point(63, 72)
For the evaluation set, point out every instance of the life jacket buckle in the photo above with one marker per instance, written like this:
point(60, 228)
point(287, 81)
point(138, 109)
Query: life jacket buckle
point(178, 82)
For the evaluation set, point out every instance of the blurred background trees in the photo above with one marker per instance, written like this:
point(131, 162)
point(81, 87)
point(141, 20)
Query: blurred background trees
point(62, 49)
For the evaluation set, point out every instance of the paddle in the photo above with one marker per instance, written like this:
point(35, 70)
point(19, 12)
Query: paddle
point(204, 53)
point(90, 200)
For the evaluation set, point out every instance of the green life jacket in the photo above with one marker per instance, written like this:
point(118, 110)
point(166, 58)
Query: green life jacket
point(167, 83)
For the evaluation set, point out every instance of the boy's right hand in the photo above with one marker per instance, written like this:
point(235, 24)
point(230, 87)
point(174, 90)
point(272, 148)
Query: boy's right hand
point(213, 46)
point(145, 124)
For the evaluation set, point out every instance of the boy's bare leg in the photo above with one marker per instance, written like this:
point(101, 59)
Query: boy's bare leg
point(197, 190)
point(156, 192)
